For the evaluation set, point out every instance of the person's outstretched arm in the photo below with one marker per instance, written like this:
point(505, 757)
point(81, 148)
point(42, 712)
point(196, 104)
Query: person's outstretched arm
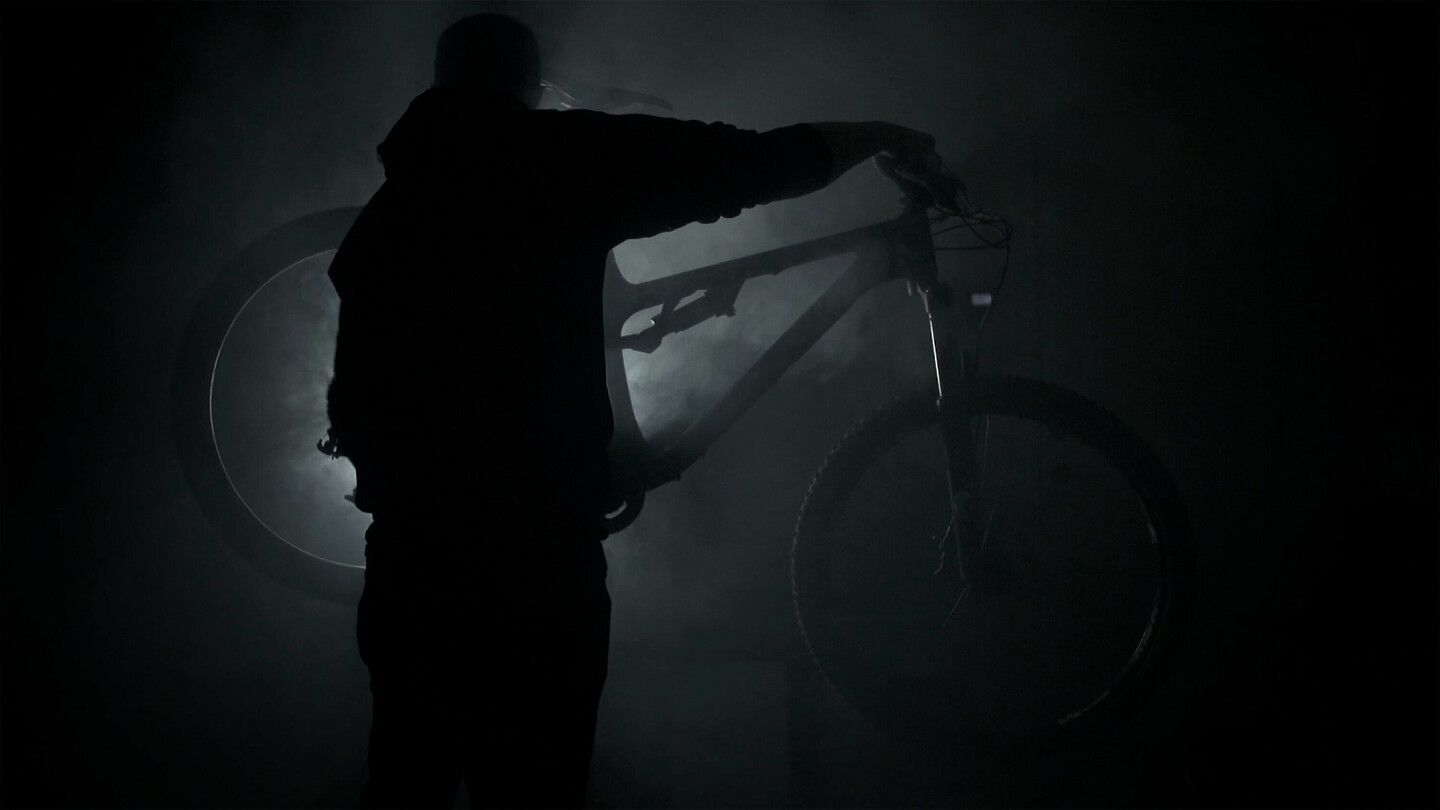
point(662, 173)
point(852, 143)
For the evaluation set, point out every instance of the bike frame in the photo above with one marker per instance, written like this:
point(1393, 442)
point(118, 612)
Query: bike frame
point(901, 248)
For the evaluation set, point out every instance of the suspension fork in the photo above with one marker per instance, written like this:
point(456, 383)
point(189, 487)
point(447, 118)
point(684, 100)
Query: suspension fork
point(960, 546)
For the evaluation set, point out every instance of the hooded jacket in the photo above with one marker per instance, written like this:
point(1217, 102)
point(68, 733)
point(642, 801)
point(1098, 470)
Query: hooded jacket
point(470, 365)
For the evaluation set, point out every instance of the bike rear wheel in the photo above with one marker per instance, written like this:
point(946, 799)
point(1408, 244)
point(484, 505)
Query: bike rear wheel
point(193, 408)
point(1080, 523)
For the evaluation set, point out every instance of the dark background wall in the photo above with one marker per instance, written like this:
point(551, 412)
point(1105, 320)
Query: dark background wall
point(1226, 223)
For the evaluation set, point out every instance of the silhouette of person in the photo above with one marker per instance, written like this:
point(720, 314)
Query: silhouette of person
point(469, 392)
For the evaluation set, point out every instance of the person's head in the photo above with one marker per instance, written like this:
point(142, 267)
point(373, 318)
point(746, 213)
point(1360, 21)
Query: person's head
point(491, 52)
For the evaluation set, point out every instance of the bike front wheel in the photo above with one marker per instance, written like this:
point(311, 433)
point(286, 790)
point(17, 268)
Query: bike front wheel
point(1084, 538)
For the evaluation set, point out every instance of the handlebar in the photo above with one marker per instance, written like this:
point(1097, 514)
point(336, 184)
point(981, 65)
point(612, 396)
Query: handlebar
point(933, 186)
point(926, 185)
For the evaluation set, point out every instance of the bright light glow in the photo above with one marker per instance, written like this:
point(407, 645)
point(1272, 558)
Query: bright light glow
point(268, 411)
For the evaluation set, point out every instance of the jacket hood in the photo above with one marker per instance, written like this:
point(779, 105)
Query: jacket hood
point(442, 126)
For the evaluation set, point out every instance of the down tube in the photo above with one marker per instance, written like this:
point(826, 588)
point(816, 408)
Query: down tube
point(869, 269)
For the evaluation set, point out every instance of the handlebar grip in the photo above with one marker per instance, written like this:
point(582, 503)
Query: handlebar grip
point(916, 194)
point(920, 192)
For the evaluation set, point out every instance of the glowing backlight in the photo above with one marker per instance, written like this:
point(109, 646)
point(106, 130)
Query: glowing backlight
point(267, 408)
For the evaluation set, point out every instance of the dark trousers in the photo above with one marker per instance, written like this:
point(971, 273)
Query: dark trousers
point(487, 664)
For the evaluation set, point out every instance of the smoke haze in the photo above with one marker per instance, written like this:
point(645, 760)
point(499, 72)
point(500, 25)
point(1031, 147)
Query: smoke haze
point(1211, 240)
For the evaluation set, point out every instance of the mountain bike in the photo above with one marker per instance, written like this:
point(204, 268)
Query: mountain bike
point(985, 557)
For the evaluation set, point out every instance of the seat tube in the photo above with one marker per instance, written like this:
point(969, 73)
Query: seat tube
point(950, 377)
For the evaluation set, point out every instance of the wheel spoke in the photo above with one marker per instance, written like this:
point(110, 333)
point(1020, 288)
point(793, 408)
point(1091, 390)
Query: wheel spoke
point(953, 609)
point(1068, 573)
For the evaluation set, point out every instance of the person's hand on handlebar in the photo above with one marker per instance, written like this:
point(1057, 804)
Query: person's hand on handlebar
point(923, 176)
point(905, 155)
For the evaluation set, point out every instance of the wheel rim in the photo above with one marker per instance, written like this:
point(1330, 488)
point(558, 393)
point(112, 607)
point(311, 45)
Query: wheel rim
point(1064, 662)
point(191, 401)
